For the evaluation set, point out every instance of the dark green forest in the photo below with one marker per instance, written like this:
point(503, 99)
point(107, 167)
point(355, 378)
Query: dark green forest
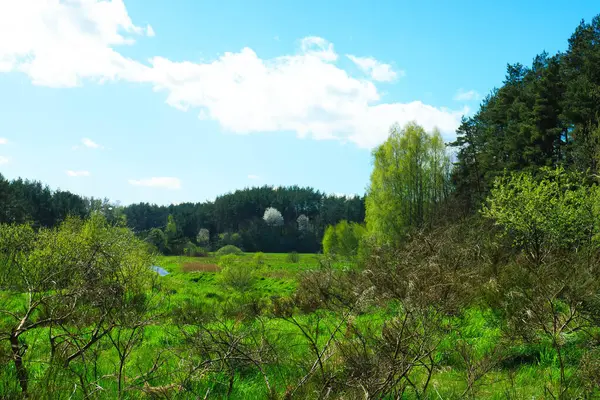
point(235, 218)
point(544, 115)
point(470, 270)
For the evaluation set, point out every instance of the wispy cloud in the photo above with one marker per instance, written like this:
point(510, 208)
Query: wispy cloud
point(87, 142)
point(463, 95)
point(253, 177)
point(4, 160)
point(150, 31)
point(3, 140)
point(77, 174)
point(158, 182)
point(378, 71)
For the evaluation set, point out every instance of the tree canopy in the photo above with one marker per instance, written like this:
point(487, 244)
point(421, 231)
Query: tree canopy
point(408, 183)
point(544, 115)
point(305, 212)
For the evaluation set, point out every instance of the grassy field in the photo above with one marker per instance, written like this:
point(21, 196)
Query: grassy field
point(523, 374)
point(195, 278)
point(193, 290)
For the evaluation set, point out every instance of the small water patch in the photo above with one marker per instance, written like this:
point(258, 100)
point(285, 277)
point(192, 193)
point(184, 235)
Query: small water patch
point(159, 270)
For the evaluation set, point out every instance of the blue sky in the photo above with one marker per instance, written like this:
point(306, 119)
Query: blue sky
point(171, 101)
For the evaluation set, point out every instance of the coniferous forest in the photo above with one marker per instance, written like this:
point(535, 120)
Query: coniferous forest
point(469, 270)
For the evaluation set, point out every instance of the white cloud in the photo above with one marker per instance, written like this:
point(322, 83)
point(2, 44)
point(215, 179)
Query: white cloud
point(462, 95)
point(4, 160)
point(60, 43)
point(78, 174)
point(64, 44)
point(150, 31)
point(89, 143)
point(253, 177)
point(305, 93)
point(158, 182)
point(378, 71)
point(3, 140)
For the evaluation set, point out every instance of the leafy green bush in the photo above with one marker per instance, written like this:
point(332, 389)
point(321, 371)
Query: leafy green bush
point(552, 210)
point(229, 249)
point(258, 259)
point(191, 250)
point(293, 257)
point(343, 239)
point(236, 275)
point(158, 239)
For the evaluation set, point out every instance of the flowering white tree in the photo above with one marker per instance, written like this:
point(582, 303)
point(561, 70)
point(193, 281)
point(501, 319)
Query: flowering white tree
point(303, 223)
point(203, 237)
point(273, 217)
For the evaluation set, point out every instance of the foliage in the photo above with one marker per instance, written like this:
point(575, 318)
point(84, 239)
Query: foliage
point(544, 115)
point(191, 250)
point(80, 282)
point(552, 218)
point(552, 211)
point(409, 182)
point(158, 239)
point(239, 213)
point(230, 239)
point(229, 249)
point(235, 274)
point(293, 257)
point(258, 259)
point(343, 239)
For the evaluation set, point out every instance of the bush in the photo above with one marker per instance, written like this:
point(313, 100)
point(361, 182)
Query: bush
point(227, 260)
point(191, 250)
point(343, 239)
point(293, 257)
point(236, 275)
point(229, 249)
point(258, 259)
point(157, 239)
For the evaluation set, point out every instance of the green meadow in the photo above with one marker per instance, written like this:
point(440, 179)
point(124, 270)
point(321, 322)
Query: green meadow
point(194, 293)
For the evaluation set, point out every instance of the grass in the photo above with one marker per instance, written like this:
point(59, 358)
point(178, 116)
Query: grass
point(196, 277)
point(193, 285)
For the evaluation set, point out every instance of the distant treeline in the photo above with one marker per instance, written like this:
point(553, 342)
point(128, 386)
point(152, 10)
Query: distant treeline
point(234, 218)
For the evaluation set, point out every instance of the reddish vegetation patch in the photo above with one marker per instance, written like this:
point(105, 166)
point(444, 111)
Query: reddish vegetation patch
point(200, 267)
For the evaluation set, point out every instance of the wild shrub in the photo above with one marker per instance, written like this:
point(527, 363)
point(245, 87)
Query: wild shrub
point(236, 275)
point(229, 249)
point(191, 250)
point(258, 259)
point(293, 257)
